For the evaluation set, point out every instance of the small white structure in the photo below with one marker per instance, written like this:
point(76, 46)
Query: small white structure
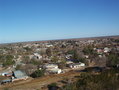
point(106, 50)
point(35, 56)
point(54, 71)
point(38, 55)
point(87, 56)
point(49, 45)
point(50, 66)
point(68, 56)
point(90, 41)
point(6, 73)
point(69, 62)
point(99, 51)
point(100, 56)
point(76, 65)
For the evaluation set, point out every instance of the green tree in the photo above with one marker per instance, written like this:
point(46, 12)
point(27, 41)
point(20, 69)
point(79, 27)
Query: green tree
point(26, 59)
point(18, 67)
point(27, 49)
point(55, 59)
point(113, 59)
point(88, 50)
point(37, 73)
point(53, 86)
point(48, 52)
point(107, 80)
point(8, 60)
point(35, 62)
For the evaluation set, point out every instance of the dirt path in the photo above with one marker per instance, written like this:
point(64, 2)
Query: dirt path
point(36, 84)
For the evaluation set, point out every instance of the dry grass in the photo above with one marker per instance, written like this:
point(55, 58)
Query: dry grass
point(38, 83)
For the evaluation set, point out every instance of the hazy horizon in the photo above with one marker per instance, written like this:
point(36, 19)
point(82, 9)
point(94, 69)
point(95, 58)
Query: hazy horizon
point(35, 20)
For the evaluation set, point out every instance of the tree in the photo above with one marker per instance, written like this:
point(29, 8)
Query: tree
point(88, 50)
point(77, 57)
point(26, 59)
point(48, 52)
point(37, 73)
point(28, 49)
point(113, 59)
point(107, 80)
point(53, 86)
point(35, 62)
point(18, 67)
point(54, 59)
point(62, 63)
point(8, 60)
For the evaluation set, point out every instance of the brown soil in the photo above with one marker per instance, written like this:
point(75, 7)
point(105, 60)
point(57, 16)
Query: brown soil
point(38, 83)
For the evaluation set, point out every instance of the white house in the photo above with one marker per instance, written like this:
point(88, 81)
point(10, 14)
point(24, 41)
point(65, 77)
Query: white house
point(68, 56)
point(69, 62)
point(106, 50)
point(76, 65)
point(48, 45)
point(50, 66)
point(87, 56)
point(54, 70)
point(38, 55)
point(35, 56)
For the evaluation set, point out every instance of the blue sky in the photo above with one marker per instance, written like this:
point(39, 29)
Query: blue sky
point(31, 20)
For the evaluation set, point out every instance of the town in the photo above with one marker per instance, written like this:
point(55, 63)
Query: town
point(28, 60)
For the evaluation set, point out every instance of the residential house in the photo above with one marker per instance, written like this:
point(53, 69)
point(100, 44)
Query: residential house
point(76, 65)
point(106, 50)
point(19, 75)
point(52, 68)
point(54, 71)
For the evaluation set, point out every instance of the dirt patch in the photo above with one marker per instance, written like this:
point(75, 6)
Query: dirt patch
point(38, 83)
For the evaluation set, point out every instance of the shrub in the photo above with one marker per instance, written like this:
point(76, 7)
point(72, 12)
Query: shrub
point(37, 73)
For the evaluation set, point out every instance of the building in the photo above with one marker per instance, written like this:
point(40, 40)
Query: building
point(106, 50)
point(35, 56)
point(68, 56)
point(8, 80)
point(13, 76)
point(69, 62)
point(54, 71)
point(19, 75)
point(9, 73)
point(38, 56)
point(76, 65)
point(50, 66)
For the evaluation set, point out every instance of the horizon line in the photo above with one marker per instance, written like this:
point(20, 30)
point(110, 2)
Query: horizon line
point(59, 39)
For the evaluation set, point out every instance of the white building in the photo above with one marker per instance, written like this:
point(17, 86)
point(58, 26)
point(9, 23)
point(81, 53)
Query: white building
point(35, 56)
point(106, 50)
point(76, 65)
point(48, 45)
point(38, 55)
point(54, 70)
point(68, 56)
point(69, 62)
point(50, 66)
